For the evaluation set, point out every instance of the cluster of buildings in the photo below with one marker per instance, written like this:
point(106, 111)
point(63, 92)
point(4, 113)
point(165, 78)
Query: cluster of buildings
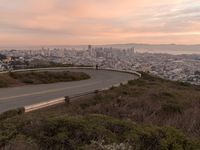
point(174, 67)
point(4, 62)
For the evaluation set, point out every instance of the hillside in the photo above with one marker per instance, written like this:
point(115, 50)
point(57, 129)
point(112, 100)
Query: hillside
point(148, 113)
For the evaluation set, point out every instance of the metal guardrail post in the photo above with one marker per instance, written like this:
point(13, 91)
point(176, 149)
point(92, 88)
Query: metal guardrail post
point(96, 91)
point(67, 100)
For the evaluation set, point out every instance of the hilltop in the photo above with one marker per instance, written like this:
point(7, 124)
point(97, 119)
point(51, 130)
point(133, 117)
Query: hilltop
point(148, 113)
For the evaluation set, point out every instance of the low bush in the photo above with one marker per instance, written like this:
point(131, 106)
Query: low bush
point(149, 103)
point(138, 82)
point(183, 84)
point(3, 83)
point(167, 94)
point(172, 108)
point(11, 113)
point(80, 131)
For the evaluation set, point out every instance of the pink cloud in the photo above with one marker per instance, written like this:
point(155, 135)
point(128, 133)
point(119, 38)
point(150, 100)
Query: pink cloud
point(85, 21)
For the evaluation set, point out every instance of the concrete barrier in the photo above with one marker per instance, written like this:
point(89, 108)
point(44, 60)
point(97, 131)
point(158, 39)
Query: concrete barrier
point(61, 100)
point(124, 71)
point(44, 104)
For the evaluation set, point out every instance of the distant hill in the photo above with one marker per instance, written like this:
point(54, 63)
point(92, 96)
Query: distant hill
point(160, 48)
point(152, 48)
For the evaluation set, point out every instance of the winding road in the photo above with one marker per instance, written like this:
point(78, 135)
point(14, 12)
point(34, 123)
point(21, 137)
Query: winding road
point(16, 97)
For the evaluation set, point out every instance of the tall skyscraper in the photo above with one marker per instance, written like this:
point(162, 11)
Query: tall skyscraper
point(89, 47)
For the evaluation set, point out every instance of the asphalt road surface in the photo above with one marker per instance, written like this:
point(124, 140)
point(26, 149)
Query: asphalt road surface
point(16, 97)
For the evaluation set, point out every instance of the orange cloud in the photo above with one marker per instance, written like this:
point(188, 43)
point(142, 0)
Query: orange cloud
point(98, 21)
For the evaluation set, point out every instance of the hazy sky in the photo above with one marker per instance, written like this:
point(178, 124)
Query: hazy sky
point(66, 22)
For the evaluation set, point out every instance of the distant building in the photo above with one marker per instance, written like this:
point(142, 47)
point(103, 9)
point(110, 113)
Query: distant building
point(7, 60)
point(89, 47)
point(133, 49)
point(1, 67)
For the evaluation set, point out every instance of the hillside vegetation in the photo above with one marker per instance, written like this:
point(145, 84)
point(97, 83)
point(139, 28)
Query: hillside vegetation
point(43, 77)
point(146, 114)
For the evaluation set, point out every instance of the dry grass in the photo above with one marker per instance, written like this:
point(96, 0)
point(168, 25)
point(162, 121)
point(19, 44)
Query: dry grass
point(6, 81)
point(44, 77)
point(149, 104)
point(148, 100)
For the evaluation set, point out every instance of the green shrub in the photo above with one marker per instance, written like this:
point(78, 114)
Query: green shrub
point(3, 83)
point(172, 107)
point(70, 132)
point(11, 113)
point(28, 81)
point(76, 132)
point(167, 94)
point(8, 132)
point(96, 99)
point(183, 84)
point(43, 77)
point(166, 138)
point(138, 82)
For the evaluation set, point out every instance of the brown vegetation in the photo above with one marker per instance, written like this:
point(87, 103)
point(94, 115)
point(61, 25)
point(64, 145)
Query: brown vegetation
point(150, 100)
point(148, 113)
point(43, 77)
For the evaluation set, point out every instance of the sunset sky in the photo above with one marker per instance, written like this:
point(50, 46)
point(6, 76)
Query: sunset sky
point(70, 22)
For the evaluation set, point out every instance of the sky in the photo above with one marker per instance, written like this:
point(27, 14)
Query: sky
point(75, 22)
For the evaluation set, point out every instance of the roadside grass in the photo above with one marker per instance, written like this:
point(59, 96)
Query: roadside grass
point(80, 132)
point(6, 80)
point(43, 77)
point(11, 113)
point(148, 113)
point(163, 103)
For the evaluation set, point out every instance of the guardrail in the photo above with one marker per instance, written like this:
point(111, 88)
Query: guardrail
point(43, 104)
point(67, 99)
point(124, 71)
point(62, 100)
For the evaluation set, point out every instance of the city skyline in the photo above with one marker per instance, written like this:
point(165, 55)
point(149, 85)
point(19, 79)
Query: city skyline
point(65, 22)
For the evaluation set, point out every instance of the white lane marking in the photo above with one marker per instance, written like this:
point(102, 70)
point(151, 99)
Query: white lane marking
point(47, 91)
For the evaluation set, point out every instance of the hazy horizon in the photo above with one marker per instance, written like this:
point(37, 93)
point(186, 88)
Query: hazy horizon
point(139, 47)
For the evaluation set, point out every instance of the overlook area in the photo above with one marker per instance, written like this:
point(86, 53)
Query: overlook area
point(147, 113)
point(100, 75)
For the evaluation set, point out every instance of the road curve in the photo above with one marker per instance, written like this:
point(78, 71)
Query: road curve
point(16, 97)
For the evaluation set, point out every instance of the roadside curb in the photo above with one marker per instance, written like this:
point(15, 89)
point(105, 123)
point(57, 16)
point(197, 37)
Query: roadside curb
point(43, 69)
point(60, 68)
